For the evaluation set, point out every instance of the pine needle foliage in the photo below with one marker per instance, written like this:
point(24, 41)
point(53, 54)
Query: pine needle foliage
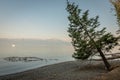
point(85, 35)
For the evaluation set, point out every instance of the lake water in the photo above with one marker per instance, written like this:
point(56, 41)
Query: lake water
point(47, 49)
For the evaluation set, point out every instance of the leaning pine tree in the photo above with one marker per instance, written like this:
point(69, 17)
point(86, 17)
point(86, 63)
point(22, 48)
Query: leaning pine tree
point(87, 40)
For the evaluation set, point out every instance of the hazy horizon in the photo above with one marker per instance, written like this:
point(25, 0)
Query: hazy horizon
point(12, 47)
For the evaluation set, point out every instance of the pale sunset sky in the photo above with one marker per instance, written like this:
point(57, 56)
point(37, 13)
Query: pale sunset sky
point(47, 19)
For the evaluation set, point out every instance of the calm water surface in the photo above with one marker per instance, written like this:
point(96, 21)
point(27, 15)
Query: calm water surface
point(46, 49)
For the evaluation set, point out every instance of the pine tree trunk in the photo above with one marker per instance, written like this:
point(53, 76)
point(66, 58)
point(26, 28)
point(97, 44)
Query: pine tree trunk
point(107, 65)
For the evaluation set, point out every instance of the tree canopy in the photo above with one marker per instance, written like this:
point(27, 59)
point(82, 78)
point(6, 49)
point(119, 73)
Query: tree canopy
point(86, 38)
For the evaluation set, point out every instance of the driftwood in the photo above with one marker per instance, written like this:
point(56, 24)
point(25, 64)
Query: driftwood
point(109, 56)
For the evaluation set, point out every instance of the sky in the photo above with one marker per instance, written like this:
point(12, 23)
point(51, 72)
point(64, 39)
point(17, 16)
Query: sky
point(47, 19)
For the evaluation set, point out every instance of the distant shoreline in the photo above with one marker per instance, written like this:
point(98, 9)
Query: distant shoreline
point(70, 70)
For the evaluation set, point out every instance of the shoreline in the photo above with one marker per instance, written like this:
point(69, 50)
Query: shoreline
point(10, 67)
point(34, 68)
point(69, 70)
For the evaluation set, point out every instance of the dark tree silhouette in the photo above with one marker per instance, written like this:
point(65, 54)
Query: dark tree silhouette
point(86, 38)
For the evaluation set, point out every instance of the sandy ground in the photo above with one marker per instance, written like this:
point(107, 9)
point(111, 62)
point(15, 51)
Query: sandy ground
point(71, 70)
